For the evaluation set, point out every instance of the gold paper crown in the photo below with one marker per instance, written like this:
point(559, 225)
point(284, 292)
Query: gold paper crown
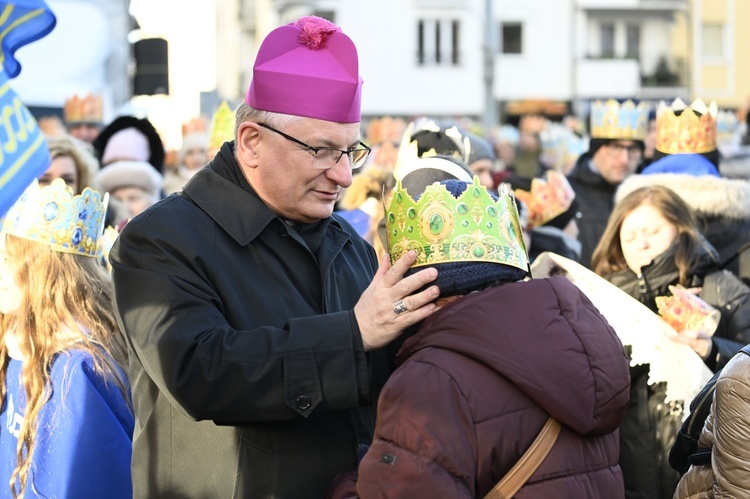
point(686, 133)
point(222, 126)
point(548, 198)
point(52, 215)
point(86, 110)
point(442, 228)
point(625, 121)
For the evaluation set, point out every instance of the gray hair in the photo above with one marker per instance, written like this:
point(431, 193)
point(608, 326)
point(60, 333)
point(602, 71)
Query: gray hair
point(246, 113)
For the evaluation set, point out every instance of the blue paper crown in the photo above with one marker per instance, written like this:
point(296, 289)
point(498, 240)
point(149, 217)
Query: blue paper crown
point(52, 215)
point(611, 120)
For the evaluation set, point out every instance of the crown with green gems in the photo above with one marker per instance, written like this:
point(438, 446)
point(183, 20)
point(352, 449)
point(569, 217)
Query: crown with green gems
point(53, 215)
point(442, 228)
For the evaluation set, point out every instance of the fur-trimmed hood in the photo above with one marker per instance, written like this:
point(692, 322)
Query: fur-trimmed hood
point(710, 196)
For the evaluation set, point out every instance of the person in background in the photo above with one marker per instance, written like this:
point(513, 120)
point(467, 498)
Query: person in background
point(129, 138)
point(687, 141)
point(615, 148)
point(256, 317)
point(70, 162)
point(84, 117)
point(553, 215)
point(193, 156)
point(135, 184)
point(477, 380)
point(481, 158)
point(724, 435)
point(650, 243)
point(65, 397)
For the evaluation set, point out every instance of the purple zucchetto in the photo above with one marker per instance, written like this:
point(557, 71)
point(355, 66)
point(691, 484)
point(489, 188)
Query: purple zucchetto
point(307, 68)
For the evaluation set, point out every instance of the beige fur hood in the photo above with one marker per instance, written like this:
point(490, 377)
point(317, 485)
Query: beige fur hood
point(706, 194)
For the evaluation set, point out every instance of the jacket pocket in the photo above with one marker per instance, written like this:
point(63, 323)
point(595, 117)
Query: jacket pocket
point(256, 473)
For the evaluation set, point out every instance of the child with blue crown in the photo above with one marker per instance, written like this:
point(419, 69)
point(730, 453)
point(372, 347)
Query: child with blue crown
point(66, 408)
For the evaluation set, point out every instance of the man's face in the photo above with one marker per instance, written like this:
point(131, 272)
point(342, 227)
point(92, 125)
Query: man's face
point(617, 160)
point(287, 177)
point(483, 169)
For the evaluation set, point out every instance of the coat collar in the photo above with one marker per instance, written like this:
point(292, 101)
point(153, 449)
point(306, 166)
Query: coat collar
point(238, 210)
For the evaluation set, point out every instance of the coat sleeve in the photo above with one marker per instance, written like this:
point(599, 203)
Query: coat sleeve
point(176, 327)
point(732, 297)
point(425, 444)
point(731, 451)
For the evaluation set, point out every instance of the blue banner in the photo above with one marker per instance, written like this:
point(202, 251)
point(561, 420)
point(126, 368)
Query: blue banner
point(24, 155)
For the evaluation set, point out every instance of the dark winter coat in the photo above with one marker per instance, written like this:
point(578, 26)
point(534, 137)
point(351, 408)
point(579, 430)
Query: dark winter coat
point(650, 425)
point(246, 360)
point(595, 198)
point(477, 382)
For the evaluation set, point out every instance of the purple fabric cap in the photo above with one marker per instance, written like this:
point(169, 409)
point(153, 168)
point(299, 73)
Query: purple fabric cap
point(307, 68)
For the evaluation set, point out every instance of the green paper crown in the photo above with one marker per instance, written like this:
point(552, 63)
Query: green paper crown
point(441, 228)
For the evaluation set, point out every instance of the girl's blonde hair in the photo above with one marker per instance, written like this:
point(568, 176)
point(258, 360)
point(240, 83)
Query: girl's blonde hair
point(66, 305)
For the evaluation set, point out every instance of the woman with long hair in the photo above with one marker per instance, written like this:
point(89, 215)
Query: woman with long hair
point(652, 242)
point(66, 404)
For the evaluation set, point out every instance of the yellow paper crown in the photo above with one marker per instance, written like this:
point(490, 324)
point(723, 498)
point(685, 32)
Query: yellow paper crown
point(52, 215)
point(442, 228)
point(686, 133)
point(222, 126)
point(548, 198)
point(612, 120)
point(84, 110)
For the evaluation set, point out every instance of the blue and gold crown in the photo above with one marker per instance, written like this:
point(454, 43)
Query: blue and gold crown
point(442, 228)
point(612, 120)
point(52, 215)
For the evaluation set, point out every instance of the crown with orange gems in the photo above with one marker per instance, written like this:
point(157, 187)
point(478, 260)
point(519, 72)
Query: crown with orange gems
point(88, 109)
point(612, 120)
point(686, 130)
point(547, 199)
point(442, 228)
point(54, 216)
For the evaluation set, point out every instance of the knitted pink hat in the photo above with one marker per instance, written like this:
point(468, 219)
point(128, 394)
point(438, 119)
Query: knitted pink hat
point(307, 68)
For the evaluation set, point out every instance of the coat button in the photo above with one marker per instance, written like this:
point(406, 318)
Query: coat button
point(304, 402)
point(283, 232)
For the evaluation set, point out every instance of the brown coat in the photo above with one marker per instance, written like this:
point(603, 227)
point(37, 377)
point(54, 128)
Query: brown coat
point(727, 433)
point(476, 384)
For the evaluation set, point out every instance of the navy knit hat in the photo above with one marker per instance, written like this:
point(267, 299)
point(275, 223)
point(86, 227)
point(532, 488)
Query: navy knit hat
point(460, 278)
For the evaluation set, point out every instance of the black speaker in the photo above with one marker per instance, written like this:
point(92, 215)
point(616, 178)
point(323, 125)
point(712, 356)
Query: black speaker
point(151, 67)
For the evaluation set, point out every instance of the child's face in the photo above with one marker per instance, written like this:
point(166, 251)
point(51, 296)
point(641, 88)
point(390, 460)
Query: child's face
point(10, 293)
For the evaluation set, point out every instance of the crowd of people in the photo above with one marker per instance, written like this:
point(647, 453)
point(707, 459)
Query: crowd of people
point(302, 303)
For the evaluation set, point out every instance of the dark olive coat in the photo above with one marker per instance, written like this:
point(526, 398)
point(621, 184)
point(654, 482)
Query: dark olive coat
point(246, 361)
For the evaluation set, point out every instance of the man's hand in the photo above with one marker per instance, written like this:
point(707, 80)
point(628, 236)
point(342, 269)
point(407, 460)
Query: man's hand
point(376, 311)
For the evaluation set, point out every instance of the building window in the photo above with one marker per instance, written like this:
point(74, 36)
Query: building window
point(713, 41)
point(633, 41)
point(512, 38)
point(607, 39)
point(438, 42)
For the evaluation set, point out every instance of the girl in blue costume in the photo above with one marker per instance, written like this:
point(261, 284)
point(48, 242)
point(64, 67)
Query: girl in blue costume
point(66, 421)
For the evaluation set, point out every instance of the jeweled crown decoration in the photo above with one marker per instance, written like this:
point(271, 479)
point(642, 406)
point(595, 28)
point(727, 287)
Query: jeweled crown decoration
point(88, 109)
point(686, 133)
point(548, 198)
point(612, 120)
point(53, 215)
point(442, 228)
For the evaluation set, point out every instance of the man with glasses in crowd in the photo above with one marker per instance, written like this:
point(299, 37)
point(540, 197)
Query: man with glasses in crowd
point(615, 151)
point(256, 318)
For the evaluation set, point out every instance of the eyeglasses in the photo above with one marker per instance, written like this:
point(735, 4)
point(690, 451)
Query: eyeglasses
point(326, 157)
point(616, 148)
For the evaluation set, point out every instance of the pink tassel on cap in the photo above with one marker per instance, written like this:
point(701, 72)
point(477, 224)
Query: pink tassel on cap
point(314, 31)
